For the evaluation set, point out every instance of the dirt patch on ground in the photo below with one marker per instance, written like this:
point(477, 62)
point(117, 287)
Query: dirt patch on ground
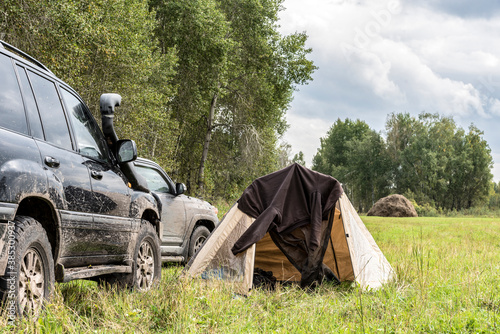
point(393, 206)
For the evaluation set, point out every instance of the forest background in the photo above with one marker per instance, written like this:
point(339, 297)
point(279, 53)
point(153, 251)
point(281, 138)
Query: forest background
point(206, 85)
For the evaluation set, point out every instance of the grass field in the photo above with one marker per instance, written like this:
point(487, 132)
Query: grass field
point(448, 282)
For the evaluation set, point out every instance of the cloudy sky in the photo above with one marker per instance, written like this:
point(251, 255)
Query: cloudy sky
point(382, 56)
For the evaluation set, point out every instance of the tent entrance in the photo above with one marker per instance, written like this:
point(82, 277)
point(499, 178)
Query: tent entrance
point(337, 256)
point(269, 257)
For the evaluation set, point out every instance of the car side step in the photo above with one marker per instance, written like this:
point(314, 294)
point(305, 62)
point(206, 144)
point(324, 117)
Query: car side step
point(69, 274)
point(172, 259)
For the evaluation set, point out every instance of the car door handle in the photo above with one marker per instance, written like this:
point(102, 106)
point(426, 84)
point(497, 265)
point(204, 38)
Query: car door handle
point(96, 175)
point(52, 162)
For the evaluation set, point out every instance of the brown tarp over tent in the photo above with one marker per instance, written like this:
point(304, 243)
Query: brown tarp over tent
point(298, 224)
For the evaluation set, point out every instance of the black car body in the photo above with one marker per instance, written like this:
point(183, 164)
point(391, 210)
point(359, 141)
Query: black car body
point(187, 221)
point(67, 197)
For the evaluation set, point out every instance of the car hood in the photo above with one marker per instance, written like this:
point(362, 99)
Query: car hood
point(193, 203)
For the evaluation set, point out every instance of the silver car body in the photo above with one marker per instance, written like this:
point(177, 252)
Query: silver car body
point(181, 215)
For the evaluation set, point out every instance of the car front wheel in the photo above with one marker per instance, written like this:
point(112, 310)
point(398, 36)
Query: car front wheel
point(147, 259)
point(198, 238)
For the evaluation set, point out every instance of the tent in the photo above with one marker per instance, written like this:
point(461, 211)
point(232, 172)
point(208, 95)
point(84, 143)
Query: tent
point(298, 224)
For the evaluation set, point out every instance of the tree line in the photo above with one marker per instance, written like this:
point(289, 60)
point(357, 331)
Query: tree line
point(205, 87)
point(428, 158)
point(205, 83)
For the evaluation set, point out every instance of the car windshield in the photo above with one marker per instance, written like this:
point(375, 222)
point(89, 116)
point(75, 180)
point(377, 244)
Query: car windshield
point(156, 182)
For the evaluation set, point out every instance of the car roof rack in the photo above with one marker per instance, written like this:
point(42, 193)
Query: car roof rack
point(24, 55)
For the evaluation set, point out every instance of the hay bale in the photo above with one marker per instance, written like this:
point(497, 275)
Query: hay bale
point(393, 206)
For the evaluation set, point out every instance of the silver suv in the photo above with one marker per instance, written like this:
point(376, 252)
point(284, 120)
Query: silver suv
point(187, 221)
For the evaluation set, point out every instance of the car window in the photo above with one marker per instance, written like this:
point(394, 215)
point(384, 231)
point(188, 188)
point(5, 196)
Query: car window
point(88, 136)
point(156, 182)
point(30, 105)
point(11, 104)
point(51, 111)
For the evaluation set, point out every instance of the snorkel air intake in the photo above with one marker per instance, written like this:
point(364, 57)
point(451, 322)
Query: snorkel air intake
point(108, 103)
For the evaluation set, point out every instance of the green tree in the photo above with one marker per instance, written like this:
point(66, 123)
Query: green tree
point(299, 158)
point(494, 196)
point(356, 156)
point(235, 78)
point(333, 151)
point(437, 162)
point(369, 169)
point(198, 31)
point(471, 186)
point(98, 47)
point(403, 132)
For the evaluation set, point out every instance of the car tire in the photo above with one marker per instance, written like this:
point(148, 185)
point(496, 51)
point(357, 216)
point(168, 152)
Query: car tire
point(147, 258)
point(29, 277)
point(198, 238)
point(146, 270)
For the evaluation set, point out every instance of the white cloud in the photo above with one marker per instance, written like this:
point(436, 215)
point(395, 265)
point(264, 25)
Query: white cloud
point(494, 107)
point(304, 135)
point(427, 90)
point(378, 57)
point(373, 71)
point(400, 71)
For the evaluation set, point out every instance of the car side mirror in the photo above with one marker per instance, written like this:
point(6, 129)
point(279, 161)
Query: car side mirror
point(126, 151)
point(180, 188)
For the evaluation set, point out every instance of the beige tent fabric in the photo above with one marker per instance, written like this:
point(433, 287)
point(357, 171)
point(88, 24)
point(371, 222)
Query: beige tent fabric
point(215, 259)
point(371, 268)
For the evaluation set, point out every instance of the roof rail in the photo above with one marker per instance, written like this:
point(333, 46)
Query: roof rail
point(24, 55)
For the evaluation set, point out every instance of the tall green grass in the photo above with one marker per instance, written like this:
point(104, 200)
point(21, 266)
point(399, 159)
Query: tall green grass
point(448, 281)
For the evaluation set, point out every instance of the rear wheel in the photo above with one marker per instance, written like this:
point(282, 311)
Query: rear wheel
point(29, 278)
point(198, 238)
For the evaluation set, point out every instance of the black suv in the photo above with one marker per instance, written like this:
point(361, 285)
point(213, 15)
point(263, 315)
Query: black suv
point(71, 205)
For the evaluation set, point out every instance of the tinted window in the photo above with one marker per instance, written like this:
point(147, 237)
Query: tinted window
point(156, 182)
point(11, 104)
point(51, 112)
point(30, 105)
point(88, 135)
